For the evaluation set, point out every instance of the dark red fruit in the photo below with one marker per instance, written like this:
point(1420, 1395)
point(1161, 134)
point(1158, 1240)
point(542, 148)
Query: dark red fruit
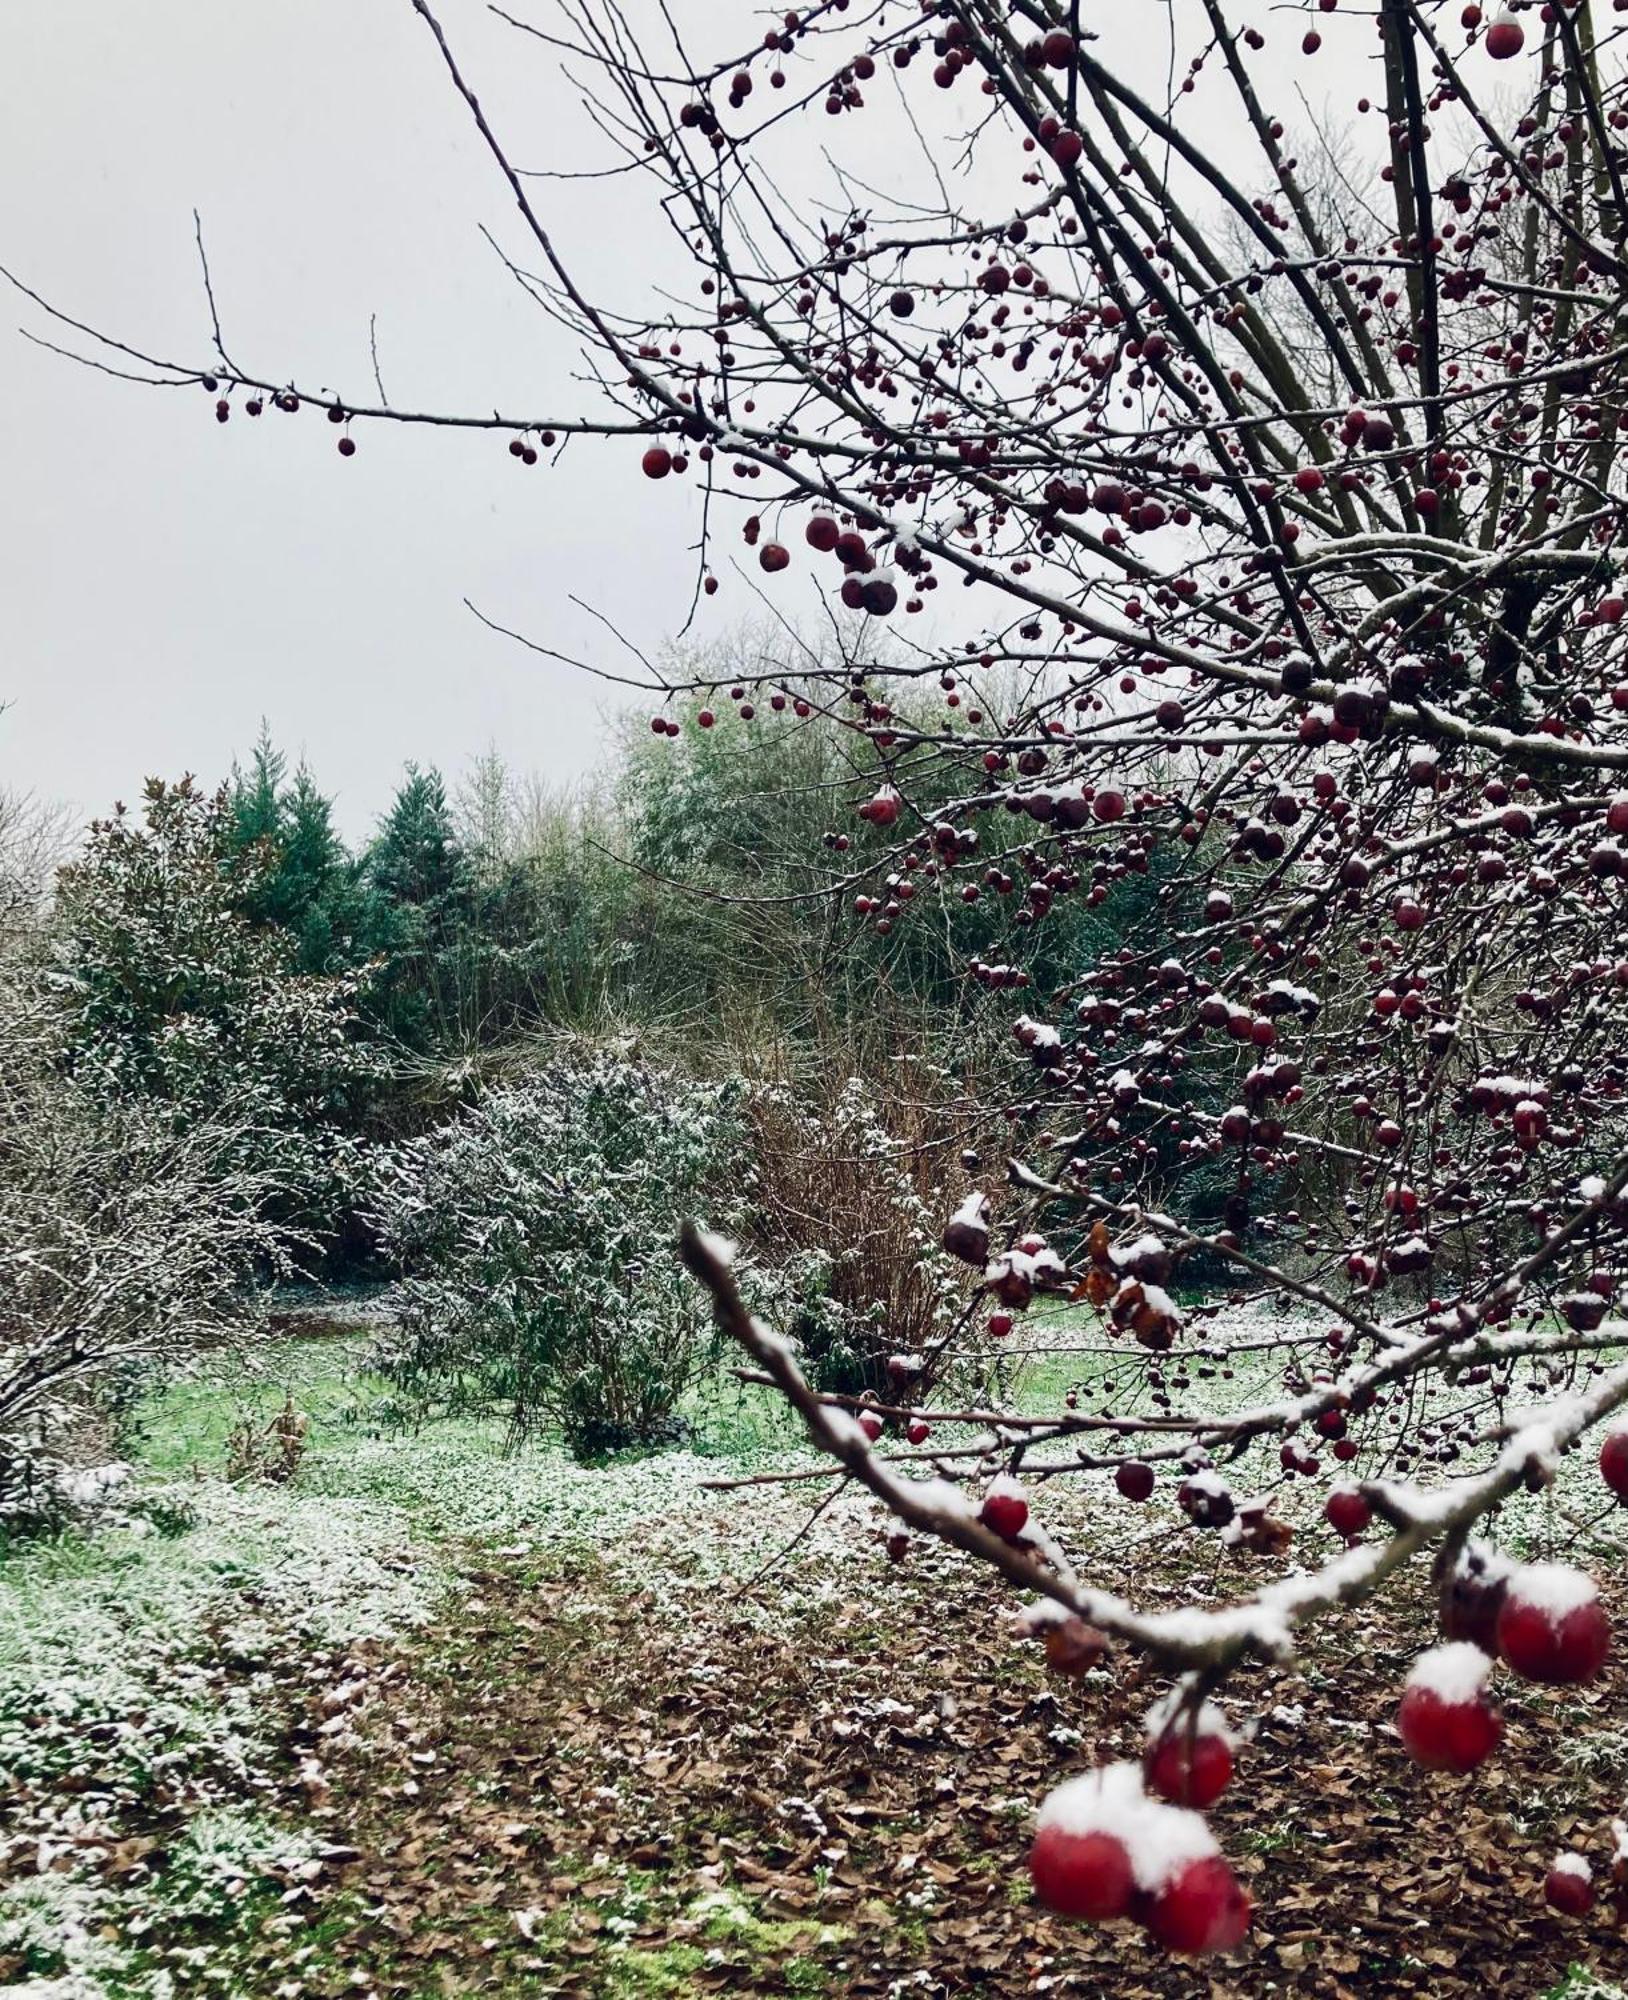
point(1134, 1479)
point(1081, 1874)
point(1552, 1627)
point(1346, 1512)
point(1505, 38)
point(1188, 1769)
point(1450, 1723)
point(1199, 1909)
point(1005, 1510)
point(1568, 1886)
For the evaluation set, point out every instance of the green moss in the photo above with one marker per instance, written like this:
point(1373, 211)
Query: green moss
point(726, 1915)
point(662, 1974)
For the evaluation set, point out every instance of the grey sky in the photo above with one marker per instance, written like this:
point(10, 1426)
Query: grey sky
point(164, 580)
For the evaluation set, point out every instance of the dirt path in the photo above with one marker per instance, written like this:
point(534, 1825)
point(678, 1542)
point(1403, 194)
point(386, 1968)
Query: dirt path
point(566, 1793)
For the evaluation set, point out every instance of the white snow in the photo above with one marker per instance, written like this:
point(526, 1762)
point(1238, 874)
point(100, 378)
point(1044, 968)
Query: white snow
point(1455, 1674)
point(91, 1485)
point(1555, 1589)
point(1142, 1249)
point(1207, 1481)
point(1571, 1864)
point(1482, 1561)
point(940, 1496)
point(1158, 1839)
point(1166, 1710)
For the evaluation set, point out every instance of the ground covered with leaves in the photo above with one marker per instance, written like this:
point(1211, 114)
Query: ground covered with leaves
point(429, 1719)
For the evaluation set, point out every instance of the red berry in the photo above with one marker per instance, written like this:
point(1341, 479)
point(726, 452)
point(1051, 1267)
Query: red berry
point(821, 533)
point(1199, 1909)
point(1005, 1509)
point(347, 447)
point(773, 556)
point(1000, 1325)
point(657, 462)
point(1188, 1768)
point(1346, 1512)
point(1445, 1718)
point(1505, 38)
point(1552, 1627)
point(871, 1424)
point(1569, 1887)
point(1134, 1479)
point(1081, 1874)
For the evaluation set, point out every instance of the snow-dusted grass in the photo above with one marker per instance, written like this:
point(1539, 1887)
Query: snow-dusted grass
point(154, 1663)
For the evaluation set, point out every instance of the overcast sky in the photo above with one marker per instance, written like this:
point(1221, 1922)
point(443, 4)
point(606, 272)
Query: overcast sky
point(166, 581)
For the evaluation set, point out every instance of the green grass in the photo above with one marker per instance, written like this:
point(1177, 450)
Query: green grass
point(185, 1426)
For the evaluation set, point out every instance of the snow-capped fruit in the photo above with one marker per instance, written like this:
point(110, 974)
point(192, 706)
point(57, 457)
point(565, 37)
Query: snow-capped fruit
point(1081, 1874)
point(966, 1234)
point(871, 1424)
point(1569, 1886)
point(882, 809)
point(1005, 1508)
point(1346, 1512)
point(1199, 1909)
point(1134, 1479)
point(1614, 1463)
point(1552, 1627)
point(1073, 1647)
point(1446, 1719)
point(1205, 1500)
point(1474, 1596)
point(1505, 38)
point(1188, 1767)
point(821, 533)
point(917, 1431)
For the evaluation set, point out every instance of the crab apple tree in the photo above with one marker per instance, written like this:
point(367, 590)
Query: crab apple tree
point(1189, 521)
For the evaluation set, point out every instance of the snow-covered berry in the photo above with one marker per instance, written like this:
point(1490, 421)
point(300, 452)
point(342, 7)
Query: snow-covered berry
point(1569, 1885)
point(1188, 1758)
point(1005, 1508)
point(1446, 1718)
point(1103, 1848)
point(1552, 1627)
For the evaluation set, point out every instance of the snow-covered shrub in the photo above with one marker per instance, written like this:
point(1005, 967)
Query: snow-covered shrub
point(126, 1247)
point(175, 999)
point(536, 1236)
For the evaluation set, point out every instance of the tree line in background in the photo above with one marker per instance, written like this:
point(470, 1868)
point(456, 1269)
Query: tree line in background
point(495, 1051)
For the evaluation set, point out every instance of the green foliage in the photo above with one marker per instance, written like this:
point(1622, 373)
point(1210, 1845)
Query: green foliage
point(300, 877)
point(173, 997)
point(537, 1240)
